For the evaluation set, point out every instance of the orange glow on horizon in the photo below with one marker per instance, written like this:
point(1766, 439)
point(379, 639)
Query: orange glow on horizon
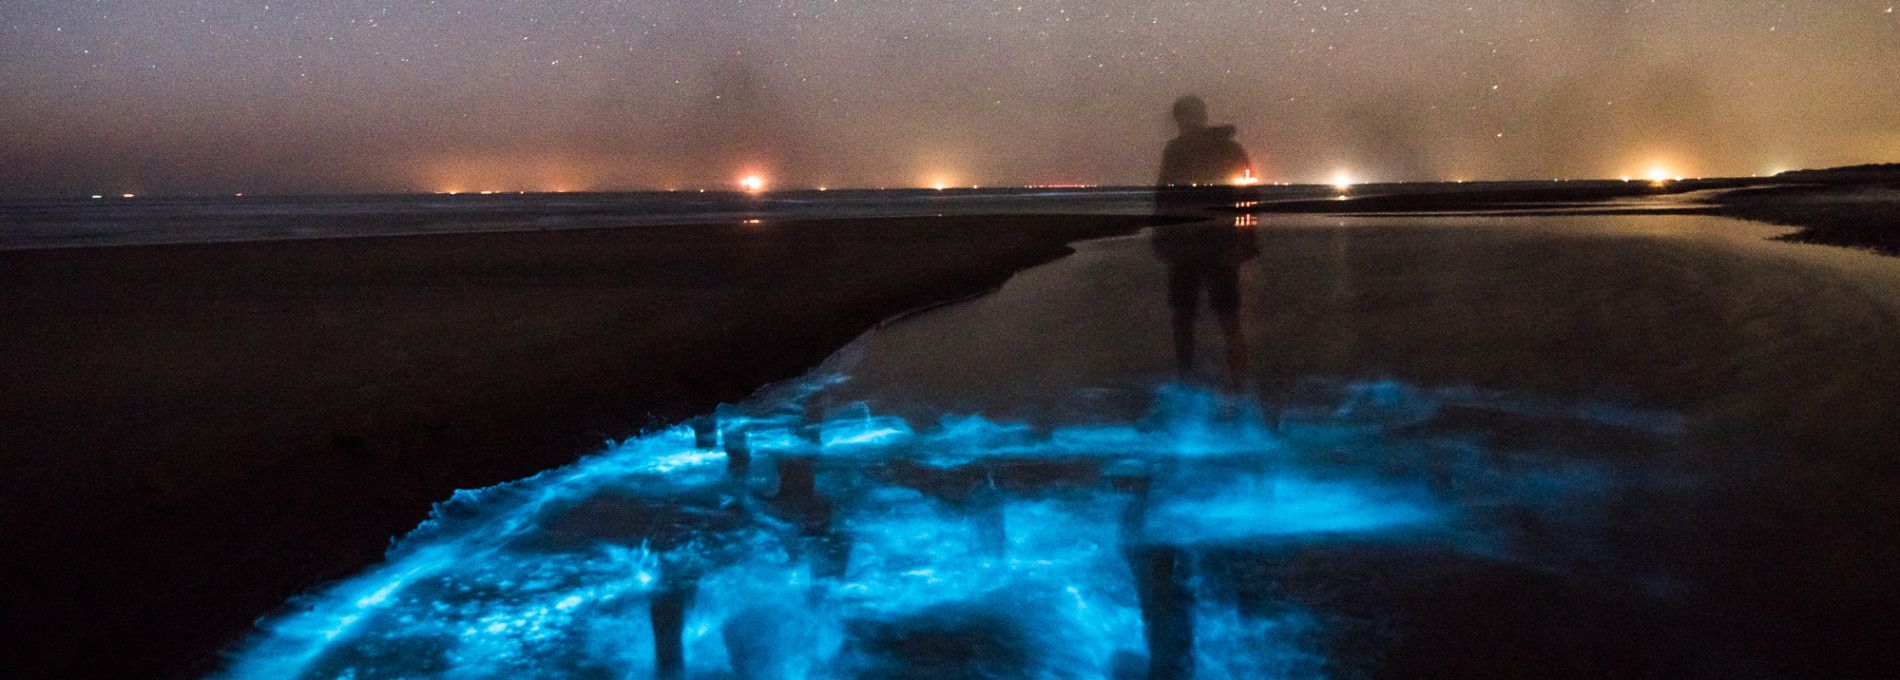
point(495, 174)
point(1660, 174)
point(752, 183)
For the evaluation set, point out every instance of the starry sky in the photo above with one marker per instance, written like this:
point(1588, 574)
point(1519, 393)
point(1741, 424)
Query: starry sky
point(158, 96)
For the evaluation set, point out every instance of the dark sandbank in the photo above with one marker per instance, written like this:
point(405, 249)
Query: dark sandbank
point(197, 432)
point(1488, 196)
point(1863, 216)
point(1857, 207)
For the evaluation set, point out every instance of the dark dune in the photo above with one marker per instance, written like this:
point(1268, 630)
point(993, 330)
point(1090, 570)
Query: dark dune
point(1854, 216)
point(195, 433)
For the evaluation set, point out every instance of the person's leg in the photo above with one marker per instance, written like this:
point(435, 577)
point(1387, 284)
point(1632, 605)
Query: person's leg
point(1184, 292)
point(738, 443)
point(667, 609)
point(1223, 296)
point(1167, 610)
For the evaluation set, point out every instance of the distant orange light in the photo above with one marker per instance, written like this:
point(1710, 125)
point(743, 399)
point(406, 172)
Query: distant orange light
point(752, 184)
point(1246, 178)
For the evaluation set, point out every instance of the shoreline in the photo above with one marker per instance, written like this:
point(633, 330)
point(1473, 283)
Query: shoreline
point(209, 429)
point(216, 428)
point(1863, 215)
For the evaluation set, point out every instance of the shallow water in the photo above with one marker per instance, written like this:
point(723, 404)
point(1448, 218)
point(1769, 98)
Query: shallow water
point(1457, 446)
point(115, 221)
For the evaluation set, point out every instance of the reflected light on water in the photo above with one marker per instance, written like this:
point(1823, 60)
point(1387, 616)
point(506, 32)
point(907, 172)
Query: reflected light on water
point(863, 545)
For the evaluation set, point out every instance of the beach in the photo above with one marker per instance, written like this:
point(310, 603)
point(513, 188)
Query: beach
point(951, 341)
point(1478, 443)
point(198, 432)
point(207, 435)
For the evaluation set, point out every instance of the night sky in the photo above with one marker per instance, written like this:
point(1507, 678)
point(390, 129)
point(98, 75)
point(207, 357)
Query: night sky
point(158, 96)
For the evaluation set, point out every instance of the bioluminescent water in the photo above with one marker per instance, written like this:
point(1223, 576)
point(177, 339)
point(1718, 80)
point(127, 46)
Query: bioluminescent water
point(769, 541)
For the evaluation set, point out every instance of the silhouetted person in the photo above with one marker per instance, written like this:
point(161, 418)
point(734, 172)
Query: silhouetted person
point(1201, 155)
point(1199, 170)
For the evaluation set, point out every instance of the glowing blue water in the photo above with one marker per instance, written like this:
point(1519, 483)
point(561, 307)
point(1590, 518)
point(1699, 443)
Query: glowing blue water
point(961, 548)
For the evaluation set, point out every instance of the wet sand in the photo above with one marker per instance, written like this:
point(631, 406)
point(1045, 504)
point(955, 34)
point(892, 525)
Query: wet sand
point(1463, 446)
point(212, 429)
point(1757, 542)
point(195, 433)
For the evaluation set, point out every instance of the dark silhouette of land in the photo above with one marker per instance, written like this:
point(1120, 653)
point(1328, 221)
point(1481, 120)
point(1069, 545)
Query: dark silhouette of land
point(196, 433)
point(1854, 215)
point(1851, 174)
point(1854, 207)
point(1593, 195)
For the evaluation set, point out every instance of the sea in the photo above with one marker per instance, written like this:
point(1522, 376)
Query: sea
point(140, 220)
point(118, 220)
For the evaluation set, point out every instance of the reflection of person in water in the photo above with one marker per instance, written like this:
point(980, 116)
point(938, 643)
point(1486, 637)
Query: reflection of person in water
point(1160, 572)
point(1201, 169)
